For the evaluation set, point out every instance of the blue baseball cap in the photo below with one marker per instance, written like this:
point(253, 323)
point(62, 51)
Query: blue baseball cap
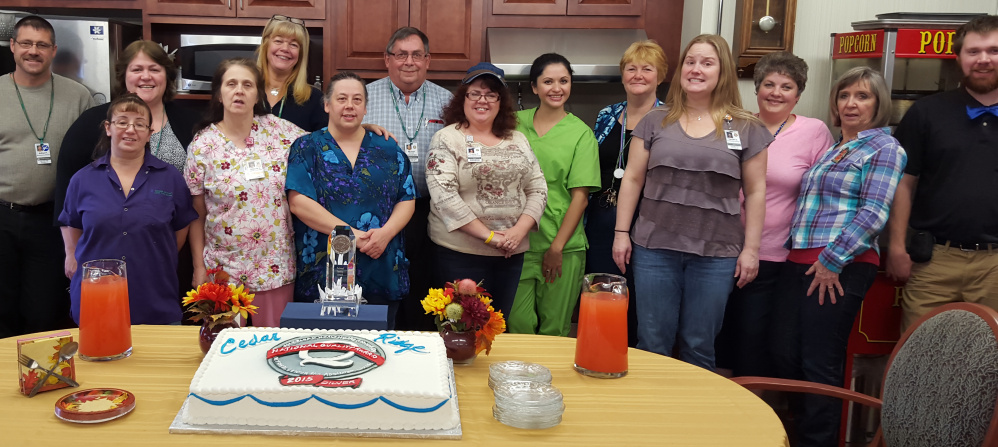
point(484, 68)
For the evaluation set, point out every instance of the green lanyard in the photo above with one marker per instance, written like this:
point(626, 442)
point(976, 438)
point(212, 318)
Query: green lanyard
point(281, 110)
point(399, 114)
point(41, 139)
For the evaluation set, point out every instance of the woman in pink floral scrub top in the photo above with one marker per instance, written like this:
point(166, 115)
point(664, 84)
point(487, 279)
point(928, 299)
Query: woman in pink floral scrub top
point(236, 172)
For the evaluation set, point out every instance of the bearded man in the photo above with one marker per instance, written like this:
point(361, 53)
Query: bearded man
point(949, 193)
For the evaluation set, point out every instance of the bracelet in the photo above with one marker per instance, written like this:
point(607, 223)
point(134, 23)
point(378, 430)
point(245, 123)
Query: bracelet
point(621, 231)
point(492, 234)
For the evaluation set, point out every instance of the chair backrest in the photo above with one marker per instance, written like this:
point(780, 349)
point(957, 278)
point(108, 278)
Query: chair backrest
point(941, 385)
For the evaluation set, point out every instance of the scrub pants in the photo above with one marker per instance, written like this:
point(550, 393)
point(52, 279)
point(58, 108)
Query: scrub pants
point(546, 308)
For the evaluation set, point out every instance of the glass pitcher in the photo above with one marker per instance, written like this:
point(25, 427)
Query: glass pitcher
point(601, 345)
point(105, 321)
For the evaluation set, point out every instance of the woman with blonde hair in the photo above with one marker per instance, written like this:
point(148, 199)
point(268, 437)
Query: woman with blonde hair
point(688, 243)
point(283, 61)
point(643, 67)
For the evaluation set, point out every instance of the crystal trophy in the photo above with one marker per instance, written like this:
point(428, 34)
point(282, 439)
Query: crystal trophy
point(341, 296)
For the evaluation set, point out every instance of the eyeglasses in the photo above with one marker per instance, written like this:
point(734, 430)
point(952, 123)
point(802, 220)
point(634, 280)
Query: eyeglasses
point(27, 44)
point(489, 97)
point(281, 18)
point(138, 125)
point(416, 57)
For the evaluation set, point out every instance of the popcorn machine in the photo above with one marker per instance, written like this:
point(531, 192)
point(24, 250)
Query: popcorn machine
point(914, 52)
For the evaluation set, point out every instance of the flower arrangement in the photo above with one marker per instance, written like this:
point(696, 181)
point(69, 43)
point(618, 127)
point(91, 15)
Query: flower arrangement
point(217, 301)
point(465, 306)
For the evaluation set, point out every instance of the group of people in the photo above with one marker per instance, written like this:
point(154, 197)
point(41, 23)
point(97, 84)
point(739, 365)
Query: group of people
point(761, 227)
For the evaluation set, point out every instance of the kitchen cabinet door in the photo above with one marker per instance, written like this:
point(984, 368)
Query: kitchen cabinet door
point(210, 8)
point(455, 30)
point(606, 7)
point(303, 9)
point(362, 29)
point(531, 7)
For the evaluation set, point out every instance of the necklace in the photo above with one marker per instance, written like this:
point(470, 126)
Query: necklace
point(274, 92)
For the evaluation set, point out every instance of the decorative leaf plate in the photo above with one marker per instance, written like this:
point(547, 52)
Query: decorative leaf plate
point(94, 405)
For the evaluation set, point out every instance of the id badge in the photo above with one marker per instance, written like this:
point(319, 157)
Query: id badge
point(42, 154)
point(254, 169)
point(734, 142)
point(411, 152)
point(474, 154)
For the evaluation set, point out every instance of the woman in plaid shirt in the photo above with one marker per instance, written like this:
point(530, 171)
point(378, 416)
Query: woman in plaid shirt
point(843, 205)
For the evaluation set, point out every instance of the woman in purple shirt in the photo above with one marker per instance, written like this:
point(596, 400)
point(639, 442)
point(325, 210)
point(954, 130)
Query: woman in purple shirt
point(129, 205)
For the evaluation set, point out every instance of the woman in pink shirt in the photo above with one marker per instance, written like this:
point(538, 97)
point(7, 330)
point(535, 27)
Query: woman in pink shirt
point(779, 81)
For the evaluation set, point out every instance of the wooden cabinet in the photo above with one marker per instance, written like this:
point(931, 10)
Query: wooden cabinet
point(305, 9)
point(569, 7)
point(362, 29)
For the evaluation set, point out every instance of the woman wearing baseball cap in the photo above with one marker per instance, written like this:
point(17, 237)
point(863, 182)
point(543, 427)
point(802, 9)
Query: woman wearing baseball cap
point(487, 191)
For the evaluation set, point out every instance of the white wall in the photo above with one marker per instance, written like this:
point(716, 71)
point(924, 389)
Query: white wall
point(816, 20)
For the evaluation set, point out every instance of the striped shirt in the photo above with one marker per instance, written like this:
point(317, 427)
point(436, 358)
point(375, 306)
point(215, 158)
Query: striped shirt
point(394, 114)
point(846, 196)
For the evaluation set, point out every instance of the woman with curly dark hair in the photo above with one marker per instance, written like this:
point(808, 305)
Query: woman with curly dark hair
point(486, 189)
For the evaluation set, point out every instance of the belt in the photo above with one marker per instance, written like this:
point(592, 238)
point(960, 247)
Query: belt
point(971, 246)
point(40, 208)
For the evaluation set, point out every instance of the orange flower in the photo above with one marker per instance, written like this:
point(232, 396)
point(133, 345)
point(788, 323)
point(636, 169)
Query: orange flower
point(485, 336)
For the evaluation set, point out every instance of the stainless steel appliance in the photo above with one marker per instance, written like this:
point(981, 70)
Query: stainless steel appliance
point(87, 49)
point(199, 56)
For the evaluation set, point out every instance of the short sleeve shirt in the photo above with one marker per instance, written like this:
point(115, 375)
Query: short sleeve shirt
point(569, 156)
point(362, 195)
point(139, 229)
point(247, 229)
point(690, 197)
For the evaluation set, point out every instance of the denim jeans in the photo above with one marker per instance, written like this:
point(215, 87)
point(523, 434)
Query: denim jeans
point(681, 298)
point(809, 343)
point(499, 275)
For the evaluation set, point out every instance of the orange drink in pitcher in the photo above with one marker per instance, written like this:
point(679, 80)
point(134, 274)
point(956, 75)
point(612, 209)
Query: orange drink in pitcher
point(105, 320)
point(601, 344)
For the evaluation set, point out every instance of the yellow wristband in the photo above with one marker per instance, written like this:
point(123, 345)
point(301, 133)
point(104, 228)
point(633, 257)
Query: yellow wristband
point(492, 234)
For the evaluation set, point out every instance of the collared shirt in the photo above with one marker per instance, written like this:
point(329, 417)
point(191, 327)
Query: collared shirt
point(846, 196)
point(139, 229)
point(247, 230)
point(954, 158)
point(381, 110)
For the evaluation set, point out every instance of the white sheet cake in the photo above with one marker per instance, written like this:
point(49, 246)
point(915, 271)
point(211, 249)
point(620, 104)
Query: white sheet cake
point(374, 380)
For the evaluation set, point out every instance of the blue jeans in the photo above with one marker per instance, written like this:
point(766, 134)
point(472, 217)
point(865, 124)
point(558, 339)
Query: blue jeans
point(681, 298)
point(809, 343)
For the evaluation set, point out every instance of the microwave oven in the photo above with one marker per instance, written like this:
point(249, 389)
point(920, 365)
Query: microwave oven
point(200, 55)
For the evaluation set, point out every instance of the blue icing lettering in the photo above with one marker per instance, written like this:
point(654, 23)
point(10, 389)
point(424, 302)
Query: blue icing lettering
point(406, 345)
point(228, 348)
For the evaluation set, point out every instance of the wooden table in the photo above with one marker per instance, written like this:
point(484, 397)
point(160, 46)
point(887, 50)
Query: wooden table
point(661, 401)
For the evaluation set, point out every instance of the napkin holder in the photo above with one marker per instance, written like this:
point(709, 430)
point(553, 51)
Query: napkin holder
point(45, 351)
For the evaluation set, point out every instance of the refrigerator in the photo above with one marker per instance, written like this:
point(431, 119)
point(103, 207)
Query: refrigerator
point(87, 50)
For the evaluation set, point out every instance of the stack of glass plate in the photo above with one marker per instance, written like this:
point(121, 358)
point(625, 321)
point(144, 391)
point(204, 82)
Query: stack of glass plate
point(528, 404)
point(515, 370)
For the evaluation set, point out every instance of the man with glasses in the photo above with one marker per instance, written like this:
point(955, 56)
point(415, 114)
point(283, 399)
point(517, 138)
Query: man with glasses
point(411, 107)
point(38, 109)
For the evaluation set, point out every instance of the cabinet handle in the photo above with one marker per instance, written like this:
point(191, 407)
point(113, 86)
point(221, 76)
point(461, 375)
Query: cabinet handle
point(228, 4)
point(241, 5)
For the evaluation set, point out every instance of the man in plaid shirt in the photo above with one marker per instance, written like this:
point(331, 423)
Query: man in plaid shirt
point(411, 107)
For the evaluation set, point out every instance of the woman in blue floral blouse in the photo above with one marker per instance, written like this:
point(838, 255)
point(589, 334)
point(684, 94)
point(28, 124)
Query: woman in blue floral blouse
point(344, 175)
